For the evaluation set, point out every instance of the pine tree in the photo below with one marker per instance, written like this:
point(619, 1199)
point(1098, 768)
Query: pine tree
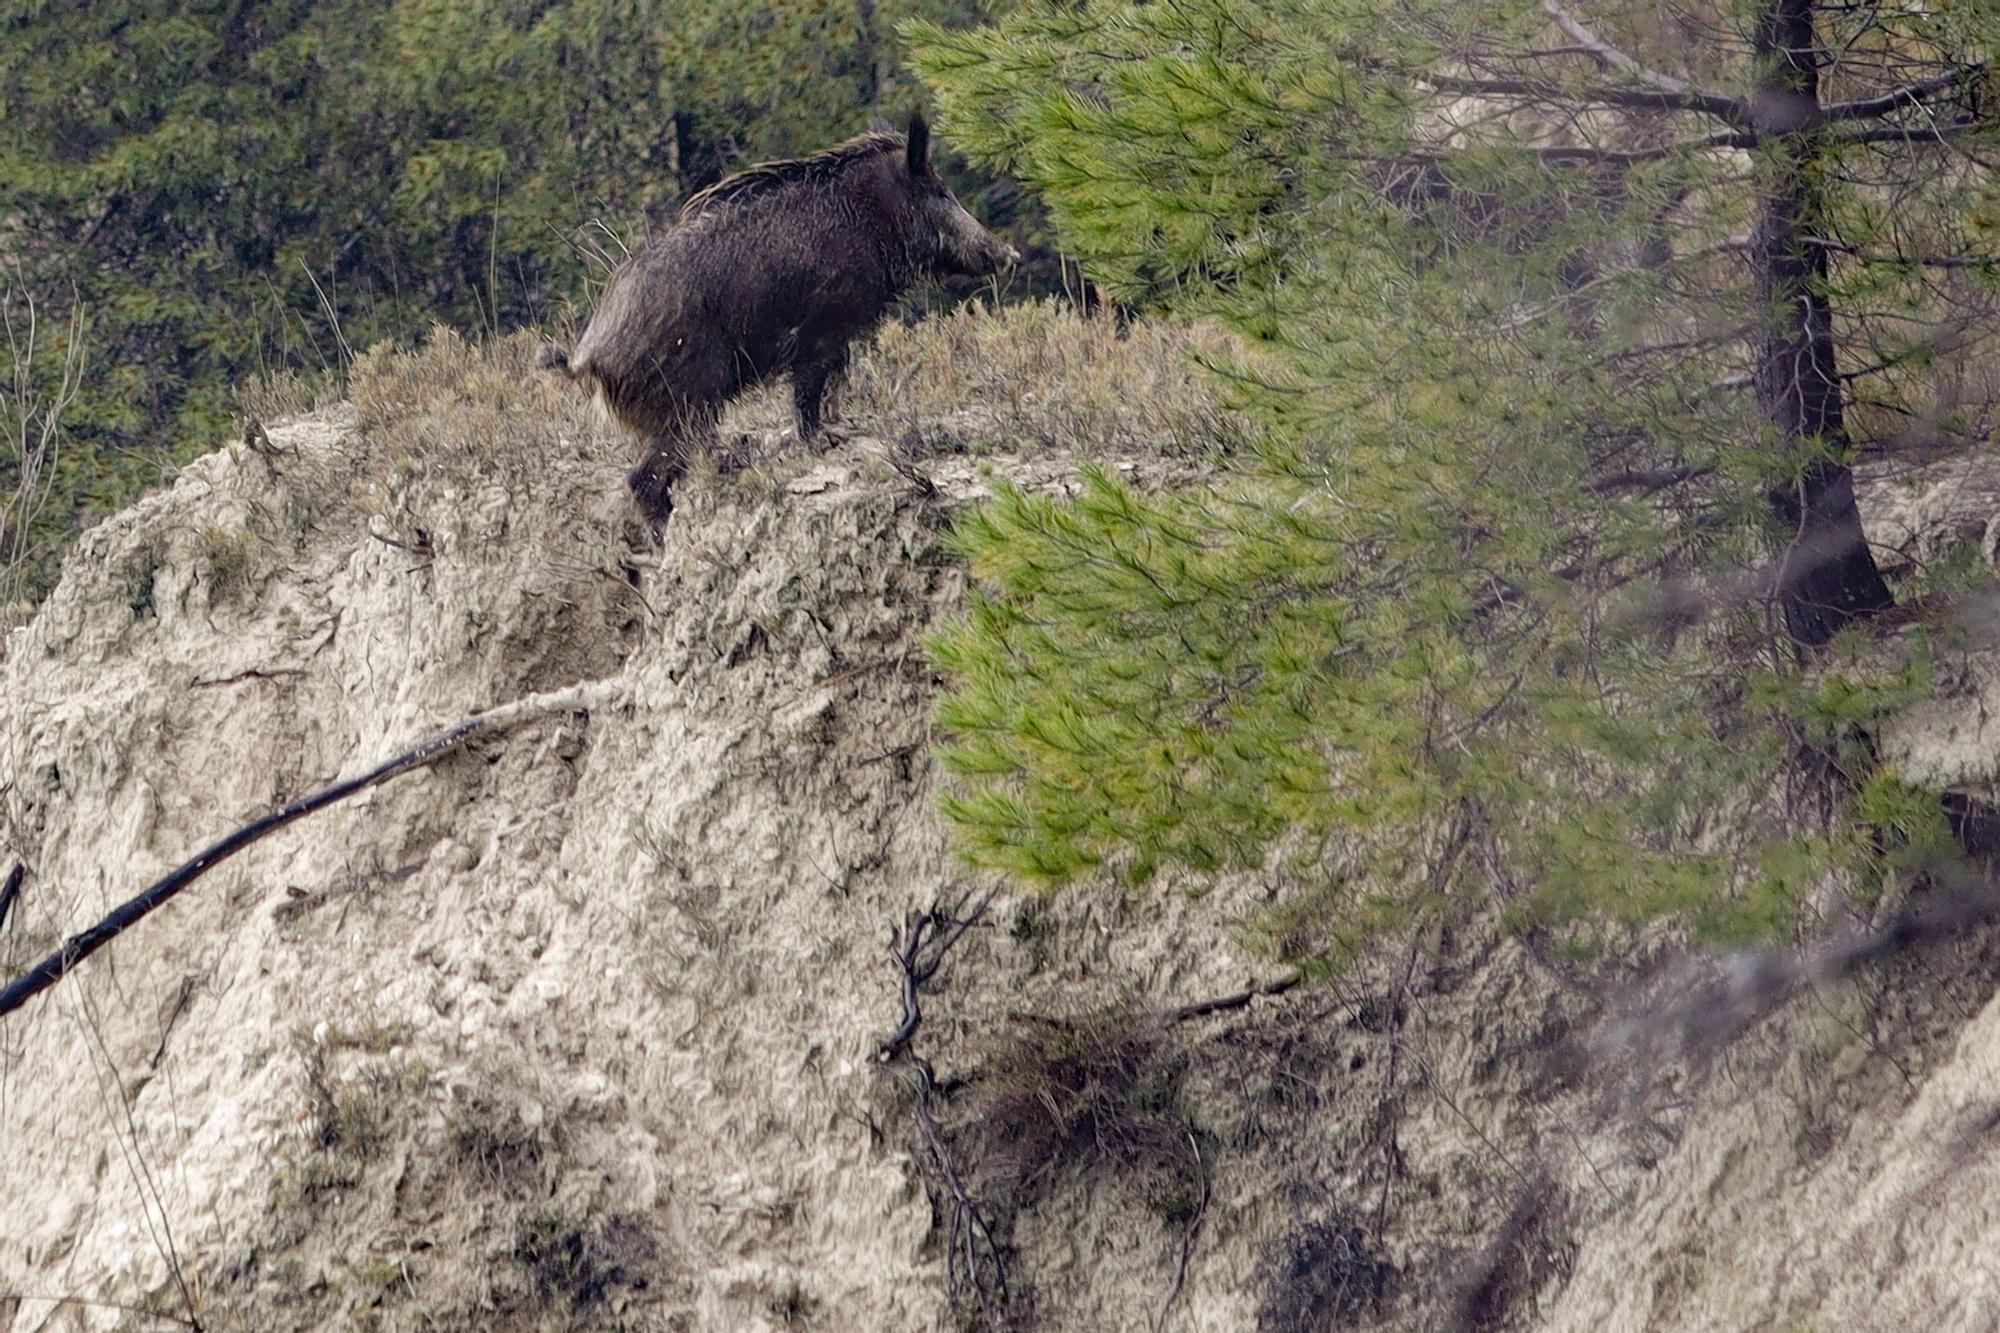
point(1559, 337)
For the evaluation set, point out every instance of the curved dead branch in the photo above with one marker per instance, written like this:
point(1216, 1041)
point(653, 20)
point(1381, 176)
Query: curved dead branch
point(426, 752)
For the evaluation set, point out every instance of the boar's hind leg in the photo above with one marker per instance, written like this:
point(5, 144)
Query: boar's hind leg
point(809, 383)
point(652, 482)
point(687, 428)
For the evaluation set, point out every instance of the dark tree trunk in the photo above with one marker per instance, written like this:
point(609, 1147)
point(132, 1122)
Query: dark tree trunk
point(1826, 576)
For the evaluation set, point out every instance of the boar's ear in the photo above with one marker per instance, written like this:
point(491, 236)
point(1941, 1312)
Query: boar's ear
point(920, 145)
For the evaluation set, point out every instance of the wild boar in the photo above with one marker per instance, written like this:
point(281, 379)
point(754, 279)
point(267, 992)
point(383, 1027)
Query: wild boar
point(778, 268)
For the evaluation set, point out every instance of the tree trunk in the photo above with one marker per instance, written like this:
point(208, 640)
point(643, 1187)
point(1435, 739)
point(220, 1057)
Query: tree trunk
point(1826, 576)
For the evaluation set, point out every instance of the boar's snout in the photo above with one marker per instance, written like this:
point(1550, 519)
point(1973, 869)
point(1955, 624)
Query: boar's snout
point(995, 256)
point(968, 249)
point(988, 257)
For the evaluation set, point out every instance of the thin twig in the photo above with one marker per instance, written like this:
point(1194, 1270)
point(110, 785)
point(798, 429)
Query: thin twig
point(60, 1301)
point(253, 673)
point(143, 1180)
point(1188, 1236)
point(181, 1001)
point(332, 318)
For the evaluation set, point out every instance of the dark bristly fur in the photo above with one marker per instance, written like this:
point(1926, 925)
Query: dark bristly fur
point(776, 269)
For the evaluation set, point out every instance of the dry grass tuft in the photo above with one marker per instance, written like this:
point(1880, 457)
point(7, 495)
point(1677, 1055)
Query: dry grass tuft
point(276, 395)
point(1096, 1096)
point(1322, 1272)
point(1027, 377)
point(473, 408)
point(453, 419)
point(356, 1103)
point(466, 446)
point(574, 1263)
point(501, 1141)
point(518, 1233)
point(227, 560)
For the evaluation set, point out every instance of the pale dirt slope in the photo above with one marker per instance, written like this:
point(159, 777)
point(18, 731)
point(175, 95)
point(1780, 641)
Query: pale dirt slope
point(574, 1030)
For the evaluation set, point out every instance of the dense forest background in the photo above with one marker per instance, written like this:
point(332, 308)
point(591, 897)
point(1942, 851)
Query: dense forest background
point(231, 191)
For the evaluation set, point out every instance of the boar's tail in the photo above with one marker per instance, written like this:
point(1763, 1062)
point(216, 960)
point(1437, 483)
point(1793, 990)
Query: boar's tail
point(554, 356)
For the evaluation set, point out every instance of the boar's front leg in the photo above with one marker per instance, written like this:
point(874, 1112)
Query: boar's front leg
point(809, 382)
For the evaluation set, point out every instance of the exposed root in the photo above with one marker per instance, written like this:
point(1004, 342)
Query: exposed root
point(973, 1258)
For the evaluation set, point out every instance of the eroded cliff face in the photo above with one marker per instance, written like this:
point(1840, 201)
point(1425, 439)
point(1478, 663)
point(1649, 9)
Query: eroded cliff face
point(577, 1027)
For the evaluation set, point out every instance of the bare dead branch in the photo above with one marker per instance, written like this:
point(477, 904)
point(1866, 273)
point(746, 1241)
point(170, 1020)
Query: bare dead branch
point(970, 1248)
point(421, 546)
point(1645, 481)
point(301, 901)
point(11, 890)
point(1621, 156)
point(1612, 58)
point(1913, 134)
point(427, 752)
point(1240, 1000)
point(926, 938)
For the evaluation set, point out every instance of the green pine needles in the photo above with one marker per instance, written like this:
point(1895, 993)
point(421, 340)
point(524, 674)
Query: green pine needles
point(1545, 583)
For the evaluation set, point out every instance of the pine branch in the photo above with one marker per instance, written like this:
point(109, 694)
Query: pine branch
point(1754, 983)
point(1542, 310)
point(427, 752)
point(1914, 134)
point(1887, 257)
point(1730, 109)
point(1909, 95)
point(1571, 156)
